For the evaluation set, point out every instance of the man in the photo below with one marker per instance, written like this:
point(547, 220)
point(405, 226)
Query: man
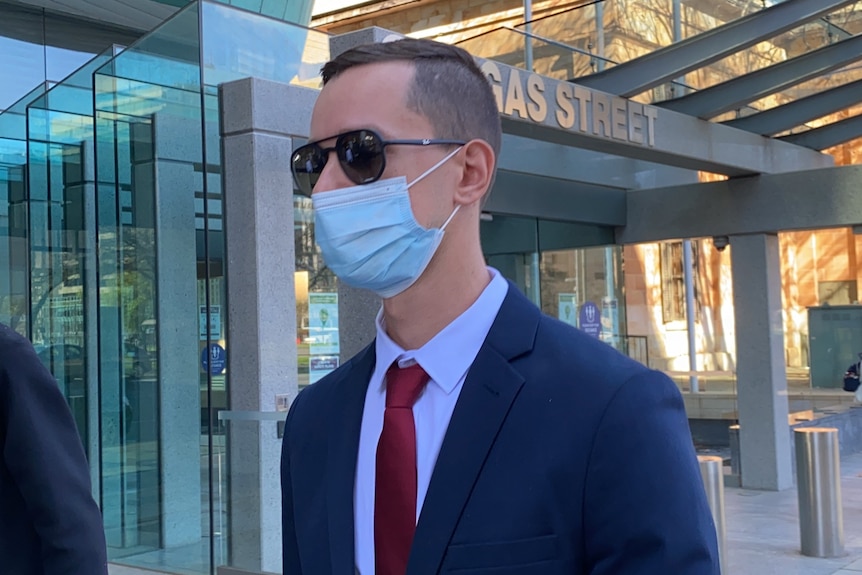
point(475, 435)
point(49, 522)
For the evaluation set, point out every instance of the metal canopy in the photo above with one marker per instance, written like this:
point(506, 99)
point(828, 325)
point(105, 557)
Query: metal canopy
point(662, 65)
point(829, 135)
point(140, 15)
point(805, 200)
point(782, 118)
point(742, 90)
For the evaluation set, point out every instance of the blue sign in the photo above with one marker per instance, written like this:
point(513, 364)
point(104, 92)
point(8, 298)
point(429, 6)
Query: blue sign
point(214, 359)
point(590, 319)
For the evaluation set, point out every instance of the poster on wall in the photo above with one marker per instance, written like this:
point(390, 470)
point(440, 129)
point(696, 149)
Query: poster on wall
point(213, 359)
point(590, 320)
point(320, 366)
point(567, 308)
point(610, 319)
point(323, 324)
point(215, 322)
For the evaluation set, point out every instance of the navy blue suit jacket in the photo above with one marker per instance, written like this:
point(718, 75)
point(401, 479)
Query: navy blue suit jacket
point(49, 522)
point(562, 457)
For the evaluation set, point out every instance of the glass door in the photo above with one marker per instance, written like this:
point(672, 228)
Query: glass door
point(570, 270)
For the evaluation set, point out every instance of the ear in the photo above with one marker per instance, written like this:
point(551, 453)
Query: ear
point(477, 172)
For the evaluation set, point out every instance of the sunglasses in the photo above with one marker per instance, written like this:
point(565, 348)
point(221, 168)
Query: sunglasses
point(360, 154)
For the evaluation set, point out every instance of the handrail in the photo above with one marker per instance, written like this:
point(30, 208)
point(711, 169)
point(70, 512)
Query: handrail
point(579, 51)
point(555, 43)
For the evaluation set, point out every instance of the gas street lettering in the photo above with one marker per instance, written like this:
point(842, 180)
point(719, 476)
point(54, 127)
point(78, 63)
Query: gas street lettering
point(533, 98)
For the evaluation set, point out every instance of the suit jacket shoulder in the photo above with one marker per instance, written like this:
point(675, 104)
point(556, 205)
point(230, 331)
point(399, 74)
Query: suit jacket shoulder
point(50, 522)
point(576, 355)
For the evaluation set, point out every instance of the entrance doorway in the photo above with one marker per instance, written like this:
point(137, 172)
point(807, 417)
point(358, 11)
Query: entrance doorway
point(572, 271)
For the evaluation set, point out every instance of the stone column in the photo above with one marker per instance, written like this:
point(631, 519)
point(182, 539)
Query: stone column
point(176, 147)
point(761, 372)
point(344, 42)
point(357, 310)
point(5, 257)
point(259, 119)
point(88, 243)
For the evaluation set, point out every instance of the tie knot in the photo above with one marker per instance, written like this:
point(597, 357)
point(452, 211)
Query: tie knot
point(404, 384)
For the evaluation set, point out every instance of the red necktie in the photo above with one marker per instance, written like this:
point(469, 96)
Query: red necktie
point(395, 494)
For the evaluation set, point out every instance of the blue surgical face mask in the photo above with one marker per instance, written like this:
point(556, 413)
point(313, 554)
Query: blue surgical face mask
point(369, 237)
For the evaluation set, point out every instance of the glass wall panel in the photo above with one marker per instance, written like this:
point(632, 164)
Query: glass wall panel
point(39, 46)
point(161, 275)
point(149, 161)
point(14, 253)
point(59, 225)
point(563, 268)
point(114, 177)
point(316, 301)
point(238, 44)
point(578, 41)
point(511, 245)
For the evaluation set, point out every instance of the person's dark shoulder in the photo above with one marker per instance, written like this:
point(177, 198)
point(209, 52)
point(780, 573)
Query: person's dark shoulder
point(581, 359)
point(15, 349)
point(20, 369)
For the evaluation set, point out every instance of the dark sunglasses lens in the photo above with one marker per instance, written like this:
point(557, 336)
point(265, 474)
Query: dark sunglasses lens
point(361, 156)
point(307, 165)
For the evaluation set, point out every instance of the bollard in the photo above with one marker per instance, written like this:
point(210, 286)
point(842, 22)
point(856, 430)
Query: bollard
point(712, 473)
point(818, 482)
point(735, 456)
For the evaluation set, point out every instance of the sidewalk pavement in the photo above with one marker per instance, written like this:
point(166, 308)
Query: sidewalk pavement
point(763, 530)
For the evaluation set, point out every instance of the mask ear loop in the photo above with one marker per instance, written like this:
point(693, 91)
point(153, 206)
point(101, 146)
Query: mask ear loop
point(455, 211)
point(429, 171)
point(435, 166)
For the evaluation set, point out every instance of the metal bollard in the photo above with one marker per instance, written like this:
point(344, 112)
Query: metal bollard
point(713, 483)
point(818, 482)
point(735, 456)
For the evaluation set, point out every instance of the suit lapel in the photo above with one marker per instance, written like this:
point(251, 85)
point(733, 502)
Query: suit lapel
point(348, 403)
point(491, 386)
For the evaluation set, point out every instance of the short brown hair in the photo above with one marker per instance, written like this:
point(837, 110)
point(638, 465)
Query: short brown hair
point(448, 87)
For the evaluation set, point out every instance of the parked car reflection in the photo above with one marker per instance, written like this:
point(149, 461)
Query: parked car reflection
point(66, 361)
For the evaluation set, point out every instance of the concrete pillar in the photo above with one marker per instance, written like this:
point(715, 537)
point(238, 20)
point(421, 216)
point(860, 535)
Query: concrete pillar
point(344, 42)
point(89, 246)
point(357, 310)
point(259, 119)
point(761, 373)
point(176, 148)
point(5, 259)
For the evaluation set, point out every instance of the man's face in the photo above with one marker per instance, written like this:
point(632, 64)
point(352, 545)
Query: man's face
point(373, 96)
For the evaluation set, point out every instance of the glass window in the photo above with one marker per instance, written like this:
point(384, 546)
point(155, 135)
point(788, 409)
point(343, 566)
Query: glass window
point(673, 303)
point(568, 269)
point(38, 46)
point(317, 326)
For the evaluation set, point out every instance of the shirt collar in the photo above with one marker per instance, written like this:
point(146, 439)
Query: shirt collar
point(449, 354)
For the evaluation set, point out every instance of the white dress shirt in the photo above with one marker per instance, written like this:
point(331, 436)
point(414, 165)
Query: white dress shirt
point(446, 359)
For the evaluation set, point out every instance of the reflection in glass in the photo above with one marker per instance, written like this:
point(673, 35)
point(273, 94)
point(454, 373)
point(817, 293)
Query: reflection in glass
point(14, 252)
point(112, 258)
point(564, 269)
point(577, 41)
point(39, 46)
point(317, 327)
